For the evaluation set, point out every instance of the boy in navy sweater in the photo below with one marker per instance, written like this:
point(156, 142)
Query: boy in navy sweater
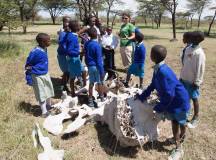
point(94, 62)
point(137, 67)
point(62, 55)
point(174, 99)
point(37, 73)
point(73, 53)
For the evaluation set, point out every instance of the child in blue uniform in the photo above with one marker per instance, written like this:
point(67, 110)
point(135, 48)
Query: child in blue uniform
point(62, 55)
point(94, 62)
point(174, 99)
point(137, 67)
point(73, 53)
point(37, 73)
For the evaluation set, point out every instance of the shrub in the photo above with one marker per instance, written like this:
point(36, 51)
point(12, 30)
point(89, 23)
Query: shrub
point(9, 49)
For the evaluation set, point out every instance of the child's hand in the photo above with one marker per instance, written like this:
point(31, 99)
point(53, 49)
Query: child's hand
point(28, 67)
point(154, 115)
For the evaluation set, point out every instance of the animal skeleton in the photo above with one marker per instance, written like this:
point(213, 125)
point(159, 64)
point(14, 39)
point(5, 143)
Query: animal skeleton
point(49, 153)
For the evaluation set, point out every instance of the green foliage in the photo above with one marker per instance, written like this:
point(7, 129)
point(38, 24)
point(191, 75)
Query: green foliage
point(9, 49)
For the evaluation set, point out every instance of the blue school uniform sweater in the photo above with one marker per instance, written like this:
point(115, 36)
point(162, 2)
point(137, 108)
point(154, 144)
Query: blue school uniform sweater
point(137, 30)
point(172, 94)
point(38, 63)
point(72, 45)
point(62, 48)
point(93, 55)
point(140, 53)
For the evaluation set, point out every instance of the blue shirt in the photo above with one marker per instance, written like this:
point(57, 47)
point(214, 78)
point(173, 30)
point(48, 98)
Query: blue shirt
point(72, 45)
point(172, 94)
point(37, 62)
point(137, 30)
point(140, 53)
point(93, 55)
point(62, 48)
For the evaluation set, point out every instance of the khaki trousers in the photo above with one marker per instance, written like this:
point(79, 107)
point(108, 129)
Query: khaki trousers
point(126, 53)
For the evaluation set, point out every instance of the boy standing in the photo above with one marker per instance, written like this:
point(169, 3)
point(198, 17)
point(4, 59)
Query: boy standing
point(192, 72)
point(73, 52)
point(62, 55)
point(109, 43)
point(137, 67)
point(174, 99)
point(37, 73)
point(94, 62)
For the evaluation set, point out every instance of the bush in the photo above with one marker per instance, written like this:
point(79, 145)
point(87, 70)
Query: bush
point(9, 49)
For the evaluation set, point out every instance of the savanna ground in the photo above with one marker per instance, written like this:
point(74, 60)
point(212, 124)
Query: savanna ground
point(18, 110)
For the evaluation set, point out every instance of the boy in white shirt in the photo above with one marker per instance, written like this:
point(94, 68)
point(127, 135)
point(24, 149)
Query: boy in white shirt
point(109, 43)
point(192, 72)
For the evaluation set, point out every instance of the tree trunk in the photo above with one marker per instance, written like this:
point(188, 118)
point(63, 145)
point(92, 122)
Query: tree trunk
point(146, 23)
point(108, 13)
point(24, 29)
point(174, 25)
point(113, 21)
point(159, 20)
point(210, 25)
point(199, 21)
point(1, 27)
point(53, 19)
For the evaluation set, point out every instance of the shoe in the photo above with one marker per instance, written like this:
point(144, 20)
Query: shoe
point(176, 154)
point(193, 123)
point(91, 103)
point(45, 115)
point(141, 87)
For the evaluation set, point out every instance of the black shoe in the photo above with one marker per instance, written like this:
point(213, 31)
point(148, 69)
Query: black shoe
point(126, 84)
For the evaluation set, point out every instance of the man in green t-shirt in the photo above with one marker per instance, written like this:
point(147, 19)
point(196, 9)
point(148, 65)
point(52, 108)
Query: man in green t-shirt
point(127, 33)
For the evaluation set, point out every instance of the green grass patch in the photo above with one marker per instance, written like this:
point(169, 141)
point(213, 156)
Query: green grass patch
point(9, 49)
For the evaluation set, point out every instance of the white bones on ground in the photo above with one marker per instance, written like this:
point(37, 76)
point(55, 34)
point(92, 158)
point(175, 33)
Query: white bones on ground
point(128, 119)
point(49, 153)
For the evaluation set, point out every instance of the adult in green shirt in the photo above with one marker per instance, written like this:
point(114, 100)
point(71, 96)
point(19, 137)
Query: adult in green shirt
point(127, 34)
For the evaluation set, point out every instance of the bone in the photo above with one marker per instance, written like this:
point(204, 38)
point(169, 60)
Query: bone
point(53, 124)
point(49, 153)
point(79, 121)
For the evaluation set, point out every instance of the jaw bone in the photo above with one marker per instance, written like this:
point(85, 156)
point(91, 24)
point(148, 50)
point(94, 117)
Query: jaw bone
point(49, 153)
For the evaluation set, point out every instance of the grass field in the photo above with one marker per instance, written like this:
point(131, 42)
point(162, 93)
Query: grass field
point(18, 106)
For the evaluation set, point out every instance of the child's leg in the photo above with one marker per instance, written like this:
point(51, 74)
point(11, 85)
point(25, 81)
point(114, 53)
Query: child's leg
point(43, 107)
point(101, 92)
point(182, 133)
point(176, 135)
point(84, 75)
point(72, 87)
point(127, 80)
point(196, 108)
point(48, 101)
point(141, 82)
point(91, 103)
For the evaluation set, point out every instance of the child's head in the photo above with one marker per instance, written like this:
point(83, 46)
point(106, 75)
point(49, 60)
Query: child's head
point(109, 30)
point(66, 19)
point(158, 53)
point(198, 37)
point(187, 37)
point(139, 37)
point(43, 40)
point(74, 26)
point(92, 21)
point(92, 32)
point(66, 27)
point(133, 22)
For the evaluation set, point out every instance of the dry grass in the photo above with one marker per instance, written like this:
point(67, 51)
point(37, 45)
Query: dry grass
point(18, 106)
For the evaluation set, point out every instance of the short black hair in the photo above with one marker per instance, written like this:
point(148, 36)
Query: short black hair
point(65, 18)
point(198, 37)
point(74, 25)
point(92, 32)
point(139, 36)
point(126, 14)
point(159, 53)
point(40, 37)
point(187, 35)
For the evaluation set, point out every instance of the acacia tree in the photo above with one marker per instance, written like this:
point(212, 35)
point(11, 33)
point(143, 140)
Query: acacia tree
point(87, 8)
point(26, 11)
point(109, 4)
point(55, 7)
point(171, 6)
point(9, 14)
point(198, 6)
point(212, 21)
point(152, 9)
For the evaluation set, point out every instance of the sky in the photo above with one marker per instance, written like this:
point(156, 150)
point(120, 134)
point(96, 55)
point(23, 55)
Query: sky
point(132, 5)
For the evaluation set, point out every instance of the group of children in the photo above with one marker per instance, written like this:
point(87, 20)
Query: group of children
point(174, 93)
